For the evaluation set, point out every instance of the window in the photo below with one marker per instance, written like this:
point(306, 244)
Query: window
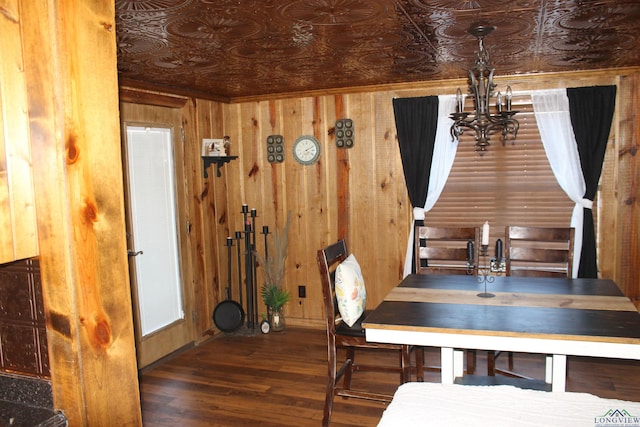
point(508, 185)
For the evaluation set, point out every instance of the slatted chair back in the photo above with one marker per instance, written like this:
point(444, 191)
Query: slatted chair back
point(328, 261)
point(444, 250)
point(539, 251)
point(535, 252)
point(340, 335)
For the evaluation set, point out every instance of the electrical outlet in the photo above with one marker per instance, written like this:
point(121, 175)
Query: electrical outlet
point(302, 291)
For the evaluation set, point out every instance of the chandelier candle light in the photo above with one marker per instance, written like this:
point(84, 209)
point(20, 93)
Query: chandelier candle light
point(481, 89)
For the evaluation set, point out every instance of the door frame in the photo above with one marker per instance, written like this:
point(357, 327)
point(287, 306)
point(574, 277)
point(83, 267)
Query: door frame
point(160, 343)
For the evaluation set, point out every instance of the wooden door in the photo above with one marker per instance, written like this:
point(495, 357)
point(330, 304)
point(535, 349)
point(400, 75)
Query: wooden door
point(156, 233)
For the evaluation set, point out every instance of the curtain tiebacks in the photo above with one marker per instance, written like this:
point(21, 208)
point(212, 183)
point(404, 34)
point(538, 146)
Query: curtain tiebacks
point(586, 203)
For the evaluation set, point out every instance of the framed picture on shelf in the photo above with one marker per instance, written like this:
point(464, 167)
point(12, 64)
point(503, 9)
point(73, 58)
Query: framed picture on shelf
point(213, 148)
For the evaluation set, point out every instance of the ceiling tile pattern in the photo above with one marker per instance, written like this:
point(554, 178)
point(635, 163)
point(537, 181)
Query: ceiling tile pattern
point(228, 49)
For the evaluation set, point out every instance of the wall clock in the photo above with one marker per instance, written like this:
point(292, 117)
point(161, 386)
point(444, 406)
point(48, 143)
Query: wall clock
point(306, 150)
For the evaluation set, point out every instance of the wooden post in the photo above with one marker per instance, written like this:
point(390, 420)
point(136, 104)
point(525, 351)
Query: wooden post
point(70, 68)
point(627, 205)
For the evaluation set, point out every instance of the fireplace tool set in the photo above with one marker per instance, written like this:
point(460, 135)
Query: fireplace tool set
point(229, 315)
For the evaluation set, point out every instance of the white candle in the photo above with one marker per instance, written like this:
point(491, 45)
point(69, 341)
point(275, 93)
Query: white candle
point(485, 234)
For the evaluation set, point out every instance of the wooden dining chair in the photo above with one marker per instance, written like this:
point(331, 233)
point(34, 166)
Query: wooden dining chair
point(445, 250)
point(340, 335)
point(539, 251)
point(534, 252)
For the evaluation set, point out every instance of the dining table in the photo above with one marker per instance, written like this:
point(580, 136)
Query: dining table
point(558, 317)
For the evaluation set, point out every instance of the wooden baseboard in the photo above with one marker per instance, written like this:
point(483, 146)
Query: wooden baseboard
point(305, 323)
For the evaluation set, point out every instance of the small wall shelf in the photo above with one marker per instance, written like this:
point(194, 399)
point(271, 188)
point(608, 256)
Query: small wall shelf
point(218, 160)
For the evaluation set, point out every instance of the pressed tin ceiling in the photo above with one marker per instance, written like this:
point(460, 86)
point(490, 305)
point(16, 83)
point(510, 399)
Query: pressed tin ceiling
point(234, 49)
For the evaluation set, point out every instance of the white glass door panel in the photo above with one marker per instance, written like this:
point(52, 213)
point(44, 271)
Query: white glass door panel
point(152, 204)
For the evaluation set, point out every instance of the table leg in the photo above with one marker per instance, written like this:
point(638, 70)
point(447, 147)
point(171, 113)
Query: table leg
point(471, 361)
point(458, 364)
point(559, 374)
point(447, 365)
point(548, 370)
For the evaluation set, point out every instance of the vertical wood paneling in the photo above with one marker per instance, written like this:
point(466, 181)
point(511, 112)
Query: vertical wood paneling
point(184, 158)
point(249, 119)
point(202, 217)
point(392, 190)
point(360, 194)
point(343, 166)
point(218, 226)
point(269, 122)
point(215, 226)
point(228, 201)
point(194, 122)
point(300, 179)
point(236, 171)
point(306, 259)
point(19, 238)
point(628, 189)
point(363, 200)
point(324, 224)
point(606, 205)
point(295, 124)
point(309, 205)
point(317, 184)
point(329, 224)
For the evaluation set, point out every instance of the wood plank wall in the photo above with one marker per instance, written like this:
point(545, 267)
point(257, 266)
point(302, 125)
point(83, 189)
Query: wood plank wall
point(343, 195)
point(19, 237)
point(71, 88)
point(359, 194)
point(623, 220)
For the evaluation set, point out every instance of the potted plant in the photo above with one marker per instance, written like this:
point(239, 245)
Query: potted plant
point(274, 297)
point(273, 294)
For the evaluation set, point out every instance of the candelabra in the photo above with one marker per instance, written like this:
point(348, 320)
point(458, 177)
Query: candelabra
point(484, 273)
point(496, 265)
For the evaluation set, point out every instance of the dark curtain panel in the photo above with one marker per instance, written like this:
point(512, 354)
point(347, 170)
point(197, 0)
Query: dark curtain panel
point(591, 110)
point(416, 122)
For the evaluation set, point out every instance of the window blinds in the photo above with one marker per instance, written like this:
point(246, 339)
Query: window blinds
point(508, 185)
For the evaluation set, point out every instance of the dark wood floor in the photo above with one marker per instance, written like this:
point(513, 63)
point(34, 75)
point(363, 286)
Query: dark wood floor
point(279, 380)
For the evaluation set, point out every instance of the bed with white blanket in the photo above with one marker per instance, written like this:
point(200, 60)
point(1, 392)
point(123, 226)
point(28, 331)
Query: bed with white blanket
point(433, 404)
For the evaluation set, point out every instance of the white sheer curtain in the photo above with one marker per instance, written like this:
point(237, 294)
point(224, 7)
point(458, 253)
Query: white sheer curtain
point(444, 152)
point(551, 109)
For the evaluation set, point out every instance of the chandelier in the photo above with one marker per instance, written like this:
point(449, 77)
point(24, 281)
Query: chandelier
point(481, 89)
